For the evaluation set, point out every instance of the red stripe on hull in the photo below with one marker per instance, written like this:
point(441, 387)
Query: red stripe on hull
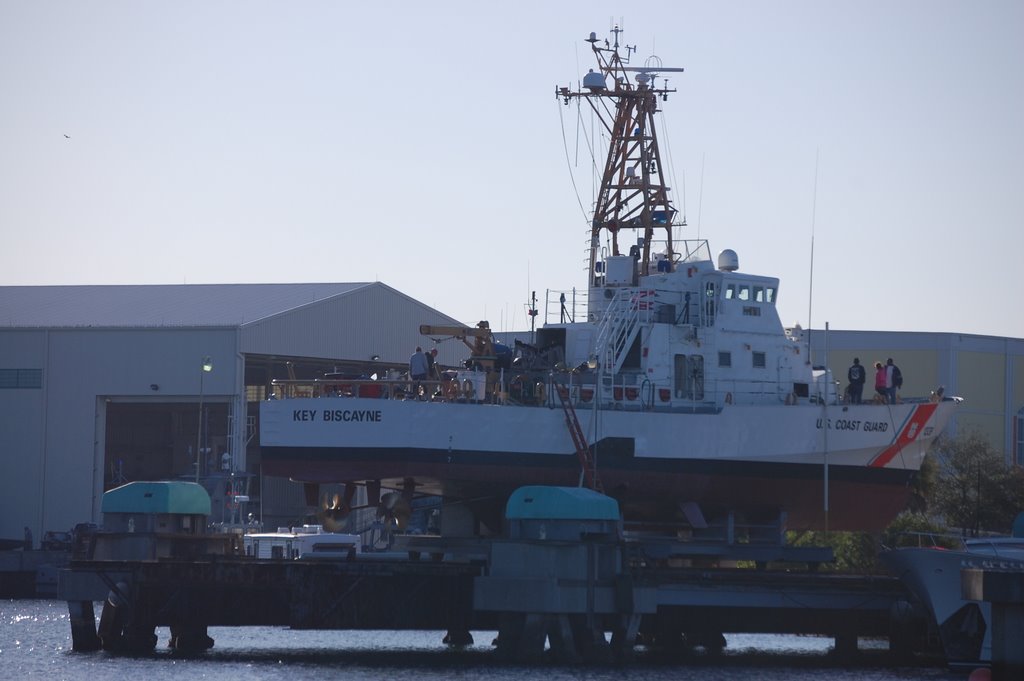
point(911, 430)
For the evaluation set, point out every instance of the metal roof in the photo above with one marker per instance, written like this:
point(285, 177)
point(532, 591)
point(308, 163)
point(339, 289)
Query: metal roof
point(161, 498)
point(560, 503)
point(175, 305)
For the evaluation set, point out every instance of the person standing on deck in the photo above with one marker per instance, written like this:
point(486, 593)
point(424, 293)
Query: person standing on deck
point(430, 356)
point(880, 388)
point(418, 365)
point(893, 380)
point(417, 370)
point(856, 376)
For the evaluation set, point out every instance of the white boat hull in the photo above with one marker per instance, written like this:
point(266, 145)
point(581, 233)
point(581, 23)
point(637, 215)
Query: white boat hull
point(749, 457)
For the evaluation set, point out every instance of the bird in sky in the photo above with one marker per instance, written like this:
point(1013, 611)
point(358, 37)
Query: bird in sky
point(67, 136)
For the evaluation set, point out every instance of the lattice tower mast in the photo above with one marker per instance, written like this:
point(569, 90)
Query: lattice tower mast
point(633, 194)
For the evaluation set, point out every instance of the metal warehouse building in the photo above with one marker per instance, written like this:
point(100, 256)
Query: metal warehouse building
point(104, 384)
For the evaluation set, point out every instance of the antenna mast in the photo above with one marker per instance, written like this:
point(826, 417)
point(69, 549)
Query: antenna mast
point(633, 194)
point(810, 285)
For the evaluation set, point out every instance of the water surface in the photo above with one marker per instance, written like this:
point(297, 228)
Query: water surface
point(35, 643)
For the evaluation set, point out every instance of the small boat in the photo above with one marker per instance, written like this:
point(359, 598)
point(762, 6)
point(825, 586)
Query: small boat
point(679, 392)
point(931, 570)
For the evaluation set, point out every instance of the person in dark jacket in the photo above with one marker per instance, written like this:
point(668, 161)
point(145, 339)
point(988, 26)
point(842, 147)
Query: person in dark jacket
point(893, 380)
point(431, 356)
point(856, 376)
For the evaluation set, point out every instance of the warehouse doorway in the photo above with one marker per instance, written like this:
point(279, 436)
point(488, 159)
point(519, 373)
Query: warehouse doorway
point(158, 440)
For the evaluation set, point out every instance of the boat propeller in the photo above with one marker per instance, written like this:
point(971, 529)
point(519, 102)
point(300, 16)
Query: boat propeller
point(333, 513)
point(394, 510)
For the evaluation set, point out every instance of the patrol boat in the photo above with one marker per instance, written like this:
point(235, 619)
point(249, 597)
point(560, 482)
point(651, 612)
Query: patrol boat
point(680, 394)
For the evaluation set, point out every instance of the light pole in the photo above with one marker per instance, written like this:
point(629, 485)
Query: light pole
point(207, 367)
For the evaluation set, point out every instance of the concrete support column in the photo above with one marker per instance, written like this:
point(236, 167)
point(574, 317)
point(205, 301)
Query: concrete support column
point(1007, 638)
point(1005, 591)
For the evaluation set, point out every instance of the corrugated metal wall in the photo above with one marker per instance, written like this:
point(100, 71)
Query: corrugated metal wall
point(52, 438)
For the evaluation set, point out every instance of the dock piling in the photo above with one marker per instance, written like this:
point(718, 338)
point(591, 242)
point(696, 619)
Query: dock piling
point(83, 627)
point(1004, 590)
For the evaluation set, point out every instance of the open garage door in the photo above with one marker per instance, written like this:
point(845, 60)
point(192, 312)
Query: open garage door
point(157, 441)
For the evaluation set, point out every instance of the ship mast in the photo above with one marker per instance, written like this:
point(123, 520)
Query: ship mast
point(633, 194)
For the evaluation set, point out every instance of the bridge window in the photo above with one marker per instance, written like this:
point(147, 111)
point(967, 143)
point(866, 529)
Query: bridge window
point(769, 294)
point(744, 292)
point(730, 291)
point(680, 375)
point(759, 294)
point(709, 303)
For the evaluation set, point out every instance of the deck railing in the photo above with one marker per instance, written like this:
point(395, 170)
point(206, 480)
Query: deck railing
point(385, 389)
point(620, 392)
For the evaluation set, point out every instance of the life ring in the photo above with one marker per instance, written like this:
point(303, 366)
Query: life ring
point(728, 398)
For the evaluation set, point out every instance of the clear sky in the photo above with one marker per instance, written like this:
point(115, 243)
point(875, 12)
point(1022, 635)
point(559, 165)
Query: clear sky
point(421, 145)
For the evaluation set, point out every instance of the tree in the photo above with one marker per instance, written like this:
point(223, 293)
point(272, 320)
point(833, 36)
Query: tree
point(922, 487)
point(975, 490)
